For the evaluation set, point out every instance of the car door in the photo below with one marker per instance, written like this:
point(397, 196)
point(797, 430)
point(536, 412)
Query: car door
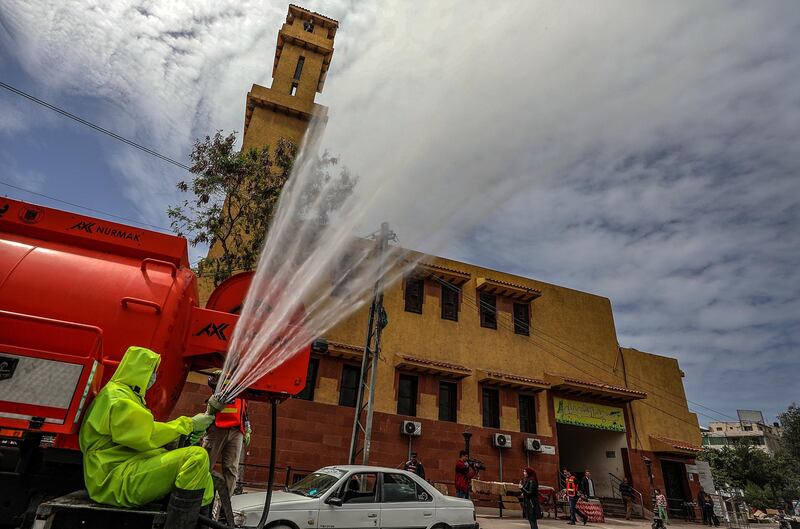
point(405, 503)
point(359, 508)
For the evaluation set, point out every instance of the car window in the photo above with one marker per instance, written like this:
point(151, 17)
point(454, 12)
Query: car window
point(316, 484)
point(359, 488)
point(400, 488)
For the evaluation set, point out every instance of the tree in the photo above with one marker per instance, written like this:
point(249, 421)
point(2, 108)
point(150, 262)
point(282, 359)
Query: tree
point(790, 438)
point(235, 197)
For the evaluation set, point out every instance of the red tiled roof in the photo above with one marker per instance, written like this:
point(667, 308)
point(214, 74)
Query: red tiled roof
point(602, 385)
point(680, 445)
point(517, 378)
point(436, 363)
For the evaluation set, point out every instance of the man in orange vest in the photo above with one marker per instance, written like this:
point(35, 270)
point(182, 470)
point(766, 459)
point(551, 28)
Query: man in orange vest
point(230, 431)
point(573, 496)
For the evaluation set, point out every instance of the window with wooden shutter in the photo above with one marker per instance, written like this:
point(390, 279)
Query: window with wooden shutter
point(414, 294)
point(407, 395)
point(522, 318)
point(448, 401)
point(491, 408)
point(527, 413)
point(488, 310)
point(348, 391)
point(449, 302)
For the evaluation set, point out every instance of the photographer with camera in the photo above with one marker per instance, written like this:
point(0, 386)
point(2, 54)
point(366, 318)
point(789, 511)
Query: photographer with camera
point(465, 471)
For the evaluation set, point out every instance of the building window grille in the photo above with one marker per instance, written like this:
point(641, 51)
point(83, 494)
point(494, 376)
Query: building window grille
point(522, 319)
point(407, 395)
point(491, 408)
point(449, 302)
point(448, 400)
point(488, 311)
point(298, 70)
point(527, 413)
point(311, 380)
point(414, 294)
point(348, 392)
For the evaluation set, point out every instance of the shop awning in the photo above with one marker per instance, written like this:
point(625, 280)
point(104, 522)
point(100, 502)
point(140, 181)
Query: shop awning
point(510, 290)
point(509, 380)
point(665, 444)
point(434, 367)
point(450, 275)
point(346, 351)
point(585, 388)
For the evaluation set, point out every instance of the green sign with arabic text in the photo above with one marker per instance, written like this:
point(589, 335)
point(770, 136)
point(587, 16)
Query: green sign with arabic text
point(589, 415)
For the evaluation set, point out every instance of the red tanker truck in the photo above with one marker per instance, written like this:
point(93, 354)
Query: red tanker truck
point(75, 293)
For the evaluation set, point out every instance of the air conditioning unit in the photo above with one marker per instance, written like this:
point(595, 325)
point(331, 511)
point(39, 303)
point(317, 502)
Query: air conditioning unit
point(501, 440)
point(533, 445)
point(412, 428)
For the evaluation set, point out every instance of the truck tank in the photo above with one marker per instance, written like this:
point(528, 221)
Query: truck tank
point(75, 293)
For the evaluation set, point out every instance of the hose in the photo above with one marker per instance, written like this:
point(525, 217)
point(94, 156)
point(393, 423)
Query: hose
point(271, 478)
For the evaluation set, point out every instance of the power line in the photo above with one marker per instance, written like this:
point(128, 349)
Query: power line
point(32, 192)
point(93, 126)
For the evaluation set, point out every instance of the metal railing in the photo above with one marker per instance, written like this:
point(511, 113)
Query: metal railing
point(615, 482)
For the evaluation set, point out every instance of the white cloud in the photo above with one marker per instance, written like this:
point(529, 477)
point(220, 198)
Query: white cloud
point(648, 148)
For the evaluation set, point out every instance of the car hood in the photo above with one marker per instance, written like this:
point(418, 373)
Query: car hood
point(280, 501)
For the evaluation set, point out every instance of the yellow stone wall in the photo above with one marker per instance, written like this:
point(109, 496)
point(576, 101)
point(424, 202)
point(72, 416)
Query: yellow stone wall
point(665, 411)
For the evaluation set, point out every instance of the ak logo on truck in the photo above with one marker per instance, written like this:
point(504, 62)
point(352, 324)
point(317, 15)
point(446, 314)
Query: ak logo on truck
point(99, 229)
point(212, 329)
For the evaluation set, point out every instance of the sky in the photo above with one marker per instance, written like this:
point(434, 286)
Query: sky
point(644, 152)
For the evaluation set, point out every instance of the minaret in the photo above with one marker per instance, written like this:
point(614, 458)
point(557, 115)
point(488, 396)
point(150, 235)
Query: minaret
point(302, 57)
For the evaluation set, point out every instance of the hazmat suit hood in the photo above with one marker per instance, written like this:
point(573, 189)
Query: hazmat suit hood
point(136, 368)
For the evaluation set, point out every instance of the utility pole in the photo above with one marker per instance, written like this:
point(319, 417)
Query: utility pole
point(369, 362)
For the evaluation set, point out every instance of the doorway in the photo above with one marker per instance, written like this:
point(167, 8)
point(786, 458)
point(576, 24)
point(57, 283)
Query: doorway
point(676, 487)
point(601, 451)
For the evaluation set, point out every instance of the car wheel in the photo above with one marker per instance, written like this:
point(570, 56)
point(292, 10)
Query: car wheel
point(441, 526)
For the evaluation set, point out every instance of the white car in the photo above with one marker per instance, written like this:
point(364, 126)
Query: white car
point(351, 496)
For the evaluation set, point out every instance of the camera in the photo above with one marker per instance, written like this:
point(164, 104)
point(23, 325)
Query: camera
point(476, 464)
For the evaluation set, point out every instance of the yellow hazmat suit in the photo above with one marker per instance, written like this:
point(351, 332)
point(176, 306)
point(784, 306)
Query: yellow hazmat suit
point(124, 463)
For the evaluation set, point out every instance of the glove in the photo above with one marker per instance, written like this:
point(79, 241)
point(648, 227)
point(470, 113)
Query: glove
point(195, 437)
point(202, 421)
point(247, 435)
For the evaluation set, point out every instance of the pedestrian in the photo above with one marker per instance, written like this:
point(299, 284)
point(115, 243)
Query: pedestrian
point(573, 496)
point(125, 463)
point(530, 493)
point(626, 491)
point(587, 485)
point(708, 510)
point(701, 505)
point(464, 475)
point(661, 506)
point(414, 465)
point(227, 436)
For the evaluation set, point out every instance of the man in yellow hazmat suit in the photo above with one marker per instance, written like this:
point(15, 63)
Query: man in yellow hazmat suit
point(124, 462)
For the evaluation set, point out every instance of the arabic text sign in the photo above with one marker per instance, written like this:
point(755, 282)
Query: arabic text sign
point(589, 415)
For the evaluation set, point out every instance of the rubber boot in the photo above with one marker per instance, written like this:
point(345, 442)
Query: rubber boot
point(183, 509)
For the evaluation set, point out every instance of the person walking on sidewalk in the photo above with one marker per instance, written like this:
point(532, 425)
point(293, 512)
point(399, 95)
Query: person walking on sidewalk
point(701, 504)
point(530, 493)
point(587, 485)
point(626, 491)
point(573, 496)
point(661, 506)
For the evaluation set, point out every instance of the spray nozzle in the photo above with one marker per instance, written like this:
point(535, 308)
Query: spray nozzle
point(216, 404)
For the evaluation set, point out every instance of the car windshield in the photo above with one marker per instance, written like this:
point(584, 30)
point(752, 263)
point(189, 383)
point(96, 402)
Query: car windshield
point(316, 484)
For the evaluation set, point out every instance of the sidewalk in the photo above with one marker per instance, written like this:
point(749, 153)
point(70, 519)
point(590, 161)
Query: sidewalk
point(488, 519)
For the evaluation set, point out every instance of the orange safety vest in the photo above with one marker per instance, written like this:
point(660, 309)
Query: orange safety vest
point(232, 416)
point(572, 489)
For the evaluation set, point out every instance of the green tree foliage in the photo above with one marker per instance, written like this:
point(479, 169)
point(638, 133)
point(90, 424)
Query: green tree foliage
point(767, 481)
point(234, 198)
point(790, 439)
